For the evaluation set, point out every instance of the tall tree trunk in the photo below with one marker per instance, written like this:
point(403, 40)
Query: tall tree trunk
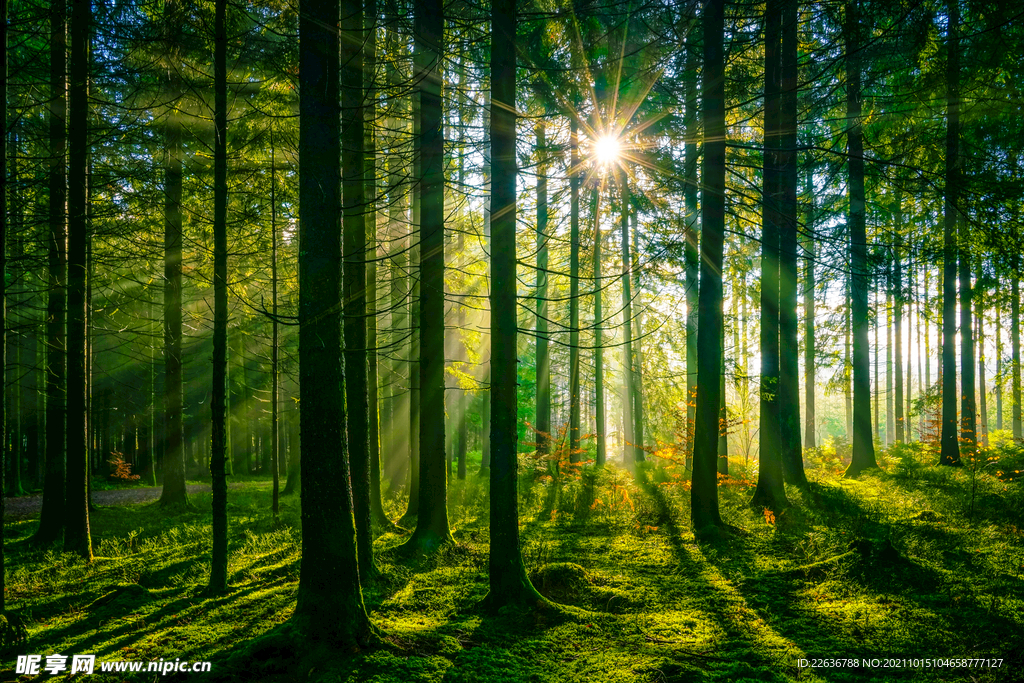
point(372, 358)
point(52, 514)
point(275, 363)
point(863, 446)
point(355, 209)
point(890, 425)
point(723, 416)
point(574, 292)
point(329, 604)
point(691, 230)
point(599, 408)
point(982, 393)
point(770, 492)
point(508, 580)
point(704, 490)
point(432, 530)
point(810, 380)
point(789, 175)
point(543, 419)
point(631, 454)
point(950, 445)
point(3, 296)
point(848, 362)
point(638, 380)
point(76, 531)
point(999, 365)
point(174, 491)
point(1015, 398)
point(897, 292)
point(218, 437)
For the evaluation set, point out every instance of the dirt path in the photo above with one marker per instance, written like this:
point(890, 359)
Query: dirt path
point(28, 506)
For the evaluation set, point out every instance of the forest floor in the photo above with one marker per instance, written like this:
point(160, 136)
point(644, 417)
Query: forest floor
point(912, 562)
point(24, 507)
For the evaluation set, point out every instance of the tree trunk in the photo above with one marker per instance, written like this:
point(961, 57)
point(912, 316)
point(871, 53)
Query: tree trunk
point(950, 445)
point(638, 379)
point(691, 257)
point(543, 419)
point(52, 514)
point(704, 490)
point(982, 394)
point(999, 365)
point(508, 581)
point(76, 535)
point(599, 408)
point(630, 453)
point(848, 363)
point(354, 210)
point(789, 174)
point(432, 530)
point(174, 491)
point(810, 381)
point(1015, 398)
point(3, 298)
point(770, 492)
point(574, 293)
point(329, 604)
point(863, 446)
point(275, 364)
point(218, 438)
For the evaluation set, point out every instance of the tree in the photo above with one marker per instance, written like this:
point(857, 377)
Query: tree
point(949, 447)
point(355, 210)
point(218, 437)
point(770, 492)
point(543, 421)
point(509, 583)
point(704, 489)
point(51, 516)
point(329, 604)
point(789, 370)
point(174, 491)
point(863, 447)
point(76, 524)
point(432, 529)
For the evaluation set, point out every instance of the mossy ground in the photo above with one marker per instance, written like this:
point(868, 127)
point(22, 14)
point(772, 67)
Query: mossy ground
point(913, 561)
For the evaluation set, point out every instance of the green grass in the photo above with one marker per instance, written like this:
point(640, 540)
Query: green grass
point(915, 561)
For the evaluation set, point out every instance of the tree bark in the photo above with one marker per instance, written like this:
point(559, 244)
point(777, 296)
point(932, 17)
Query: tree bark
point(770, 492)
point(329, 604)
point(574, 292)
point(432, 530)
point(704, 490)
point(863, 446)
point(52, 514)
point(630, 453)
point(174, 491)
point(789, 345)
point(949, 453)
point(354, 211)
point(691, 257)
point(508, 581)
point(543, 418)
point(599, 408)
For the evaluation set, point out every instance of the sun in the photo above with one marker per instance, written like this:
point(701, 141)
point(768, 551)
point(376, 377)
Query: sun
point(606, 149)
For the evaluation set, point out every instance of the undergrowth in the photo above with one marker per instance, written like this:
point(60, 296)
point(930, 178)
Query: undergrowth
point(909, 561)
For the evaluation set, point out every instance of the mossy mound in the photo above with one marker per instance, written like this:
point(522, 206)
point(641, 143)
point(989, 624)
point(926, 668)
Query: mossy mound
point(564, 582)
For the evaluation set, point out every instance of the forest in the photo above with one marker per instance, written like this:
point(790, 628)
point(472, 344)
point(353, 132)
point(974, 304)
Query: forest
point(511, 340)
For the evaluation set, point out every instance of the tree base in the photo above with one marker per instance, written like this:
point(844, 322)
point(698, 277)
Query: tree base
point(855, 470)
